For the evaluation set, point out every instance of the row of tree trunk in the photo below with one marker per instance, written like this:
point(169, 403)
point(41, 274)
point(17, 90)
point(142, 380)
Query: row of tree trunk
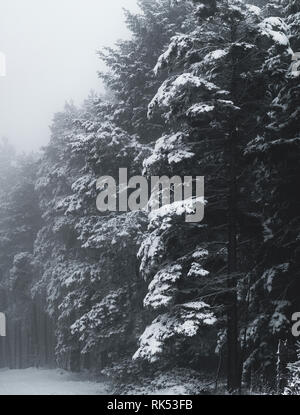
point(29, 341)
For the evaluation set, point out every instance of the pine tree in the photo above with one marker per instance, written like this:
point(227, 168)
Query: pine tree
point(92, 290)
point(212, 104)
point(19, 223)
point(276, 151)
point(130, 77)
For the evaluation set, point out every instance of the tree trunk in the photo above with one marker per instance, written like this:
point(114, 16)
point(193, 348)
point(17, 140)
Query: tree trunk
point(233, 376)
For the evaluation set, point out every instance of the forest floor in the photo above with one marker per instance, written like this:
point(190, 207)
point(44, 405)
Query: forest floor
point(59, 382)
point(48, 382)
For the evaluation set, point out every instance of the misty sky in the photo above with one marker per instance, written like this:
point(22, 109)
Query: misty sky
point(50, 47)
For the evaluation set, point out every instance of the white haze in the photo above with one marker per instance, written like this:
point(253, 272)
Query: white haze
point(50, 47)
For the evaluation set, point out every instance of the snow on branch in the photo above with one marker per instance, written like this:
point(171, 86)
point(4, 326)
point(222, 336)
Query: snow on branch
point(183, 321)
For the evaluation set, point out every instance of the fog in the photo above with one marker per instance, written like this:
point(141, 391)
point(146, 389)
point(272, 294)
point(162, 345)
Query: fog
point(50, 48)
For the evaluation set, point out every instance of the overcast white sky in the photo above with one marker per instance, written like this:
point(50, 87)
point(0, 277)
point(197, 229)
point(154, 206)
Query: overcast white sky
point(50, 47)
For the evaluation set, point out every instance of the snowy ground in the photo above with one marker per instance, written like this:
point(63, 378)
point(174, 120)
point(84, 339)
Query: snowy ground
point(48, 382)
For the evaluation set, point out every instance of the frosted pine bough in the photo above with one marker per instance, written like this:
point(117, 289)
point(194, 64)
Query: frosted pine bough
point(177, 321)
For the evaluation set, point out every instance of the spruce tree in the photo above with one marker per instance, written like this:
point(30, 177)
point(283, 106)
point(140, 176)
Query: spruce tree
point(276, 153)
point(212, 101)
